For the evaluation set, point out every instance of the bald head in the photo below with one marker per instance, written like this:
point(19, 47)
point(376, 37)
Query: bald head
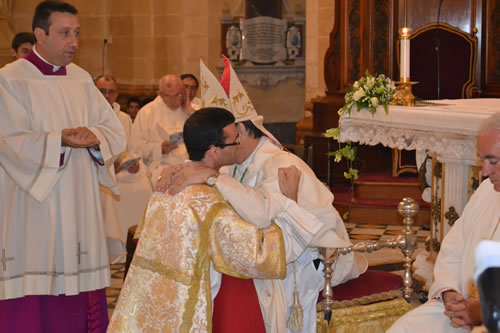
point(488, 149)
point(107, 86)
point(491, 123)
point(171, 92)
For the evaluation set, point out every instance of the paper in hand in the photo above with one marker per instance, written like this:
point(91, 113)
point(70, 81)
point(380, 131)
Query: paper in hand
point(127, 160)
point(129, 163)
point(176, 138)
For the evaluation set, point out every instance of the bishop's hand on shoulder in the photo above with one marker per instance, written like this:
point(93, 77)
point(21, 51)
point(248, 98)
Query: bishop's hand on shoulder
point(289, 180)
point(175, 178)
point(80, 137)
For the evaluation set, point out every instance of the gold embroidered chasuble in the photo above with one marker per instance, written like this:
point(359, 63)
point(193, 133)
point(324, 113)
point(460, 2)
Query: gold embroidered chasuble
point(167, 288)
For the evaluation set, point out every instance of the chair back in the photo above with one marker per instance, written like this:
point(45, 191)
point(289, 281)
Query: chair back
point(444, 56)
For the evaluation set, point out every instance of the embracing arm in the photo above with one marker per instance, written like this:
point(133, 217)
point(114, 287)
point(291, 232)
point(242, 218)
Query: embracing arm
point(240, 249)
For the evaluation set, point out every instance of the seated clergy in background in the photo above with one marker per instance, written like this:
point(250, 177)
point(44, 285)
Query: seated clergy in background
point(122, 211)
point(190, 83)
point(157, 129)
point(133, 106)
point(248, 186)
point(21, 44)
point(454, 304)
point(167, 288)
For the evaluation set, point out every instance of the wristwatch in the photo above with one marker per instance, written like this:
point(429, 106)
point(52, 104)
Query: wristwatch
point(212, 180)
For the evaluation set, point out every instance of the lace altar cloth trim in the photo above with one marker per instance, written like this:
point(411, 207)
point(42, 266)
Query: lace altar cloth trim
point(448, 145)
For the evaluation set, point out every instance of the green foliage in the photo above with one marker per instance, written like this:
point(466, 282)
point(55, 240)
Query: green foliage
point(345, 217)
point(369, 92)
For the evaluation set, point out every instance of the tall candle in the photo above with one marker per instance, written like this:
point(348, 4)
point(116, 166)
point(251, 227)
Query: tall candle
point(405, 54)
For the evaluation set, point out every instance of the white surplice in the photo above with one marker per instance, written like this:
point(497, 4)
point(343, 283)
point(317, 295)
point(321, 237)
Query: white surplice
point(155, 123)
point(454, 266)
point(323, 227)
point(51, 228)
point(125, 120)
point(125, 210)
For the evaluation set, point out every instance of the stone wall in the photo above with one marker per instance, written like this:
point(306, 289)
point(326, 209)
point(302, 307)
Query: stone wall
point(149, 38)
point(319, 24)
point(144, 39)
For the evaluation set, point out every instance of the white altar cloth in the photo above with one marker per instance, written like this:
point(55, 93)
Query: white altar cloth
point(446, 129)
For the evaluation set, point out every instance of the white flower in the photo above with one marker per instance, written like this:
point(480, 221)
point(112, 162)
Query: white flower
point(370, 82)
point(358, 94)
point(369, 92)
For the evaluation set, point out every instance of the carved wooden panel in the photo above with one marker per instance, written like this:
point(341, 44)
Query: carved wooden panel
point(492, 58)
point(364, 37)
point(365, 33)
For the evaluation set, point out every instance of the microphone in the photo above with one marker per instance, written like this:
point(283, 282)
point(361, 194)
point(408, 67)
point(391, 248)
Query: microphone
point(487, 276)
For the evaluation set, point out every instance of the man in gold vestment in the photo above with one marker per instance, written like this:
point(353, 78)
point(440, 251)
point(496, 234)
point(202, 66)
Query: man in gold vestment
point(168, 285)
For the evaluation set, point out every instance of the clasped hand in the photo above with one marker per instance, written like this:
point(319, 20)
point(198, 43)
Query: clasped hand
point(464, 313)
point(80, 137)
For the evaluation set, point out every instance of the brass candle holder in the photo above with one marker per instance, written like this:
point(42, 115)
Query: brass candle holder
point(404, 95)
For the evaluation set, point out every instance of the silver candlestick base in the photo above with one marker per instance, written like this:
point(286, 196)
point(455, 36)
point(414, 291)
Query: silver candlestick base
point(406, 241)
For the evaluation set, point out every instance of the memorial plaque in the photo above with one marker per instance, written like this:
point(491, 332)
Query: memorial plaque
point(263, 39)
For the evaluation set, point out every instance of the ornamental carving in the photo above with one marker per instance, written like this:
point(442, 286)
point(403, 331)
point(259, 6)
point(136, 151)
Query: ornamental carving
point(451, 215)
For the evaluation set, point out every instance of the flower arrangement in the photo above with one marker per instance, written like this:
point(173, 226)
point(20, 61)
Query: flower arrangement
point(369, 92)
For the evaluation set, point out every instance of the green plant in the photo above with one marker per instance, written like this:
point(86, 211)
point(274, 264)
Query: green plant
point(369, 92)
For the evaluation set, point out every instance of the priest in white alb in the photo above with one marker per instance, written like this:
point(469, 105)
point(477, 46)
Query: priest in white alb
point(58, 136)
point(454, 304)
point(127, 209)
point(157, 128)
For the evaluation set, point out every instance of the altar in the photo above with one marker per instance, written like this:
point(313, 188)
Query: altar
point(446, 130)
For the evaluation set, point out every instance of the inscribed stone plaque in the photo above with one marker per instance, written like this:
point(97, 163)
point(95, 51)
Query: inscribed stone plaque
point(263, 39)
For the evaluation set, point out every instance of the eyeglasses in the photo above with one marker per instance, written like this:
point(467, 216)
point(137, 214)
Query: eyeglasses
point(110, 92)
point(236, 142)
point(170, 98)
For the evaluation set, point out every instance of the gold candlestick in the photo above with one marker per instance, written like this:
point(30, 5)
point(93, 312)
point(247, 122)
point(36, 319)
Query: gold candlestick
point(403, 95)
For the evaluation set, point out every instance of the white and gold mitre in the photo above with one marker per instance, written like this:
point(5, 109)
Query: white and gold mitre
point(212, 93)
point(230, 95)
point(241, 106)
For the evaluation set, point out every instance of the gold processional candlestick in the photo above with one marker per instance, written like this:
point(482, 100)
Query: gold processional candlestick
point(403, 95)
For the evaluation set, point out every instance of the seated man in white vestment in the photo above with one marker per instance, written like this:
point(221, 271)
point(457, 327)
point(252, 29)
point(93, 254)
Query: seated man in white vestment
point(190, 83)
point(58, 137)
point(454, 304)
point(247, 186)
point(157, 128)
point(122, 211)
